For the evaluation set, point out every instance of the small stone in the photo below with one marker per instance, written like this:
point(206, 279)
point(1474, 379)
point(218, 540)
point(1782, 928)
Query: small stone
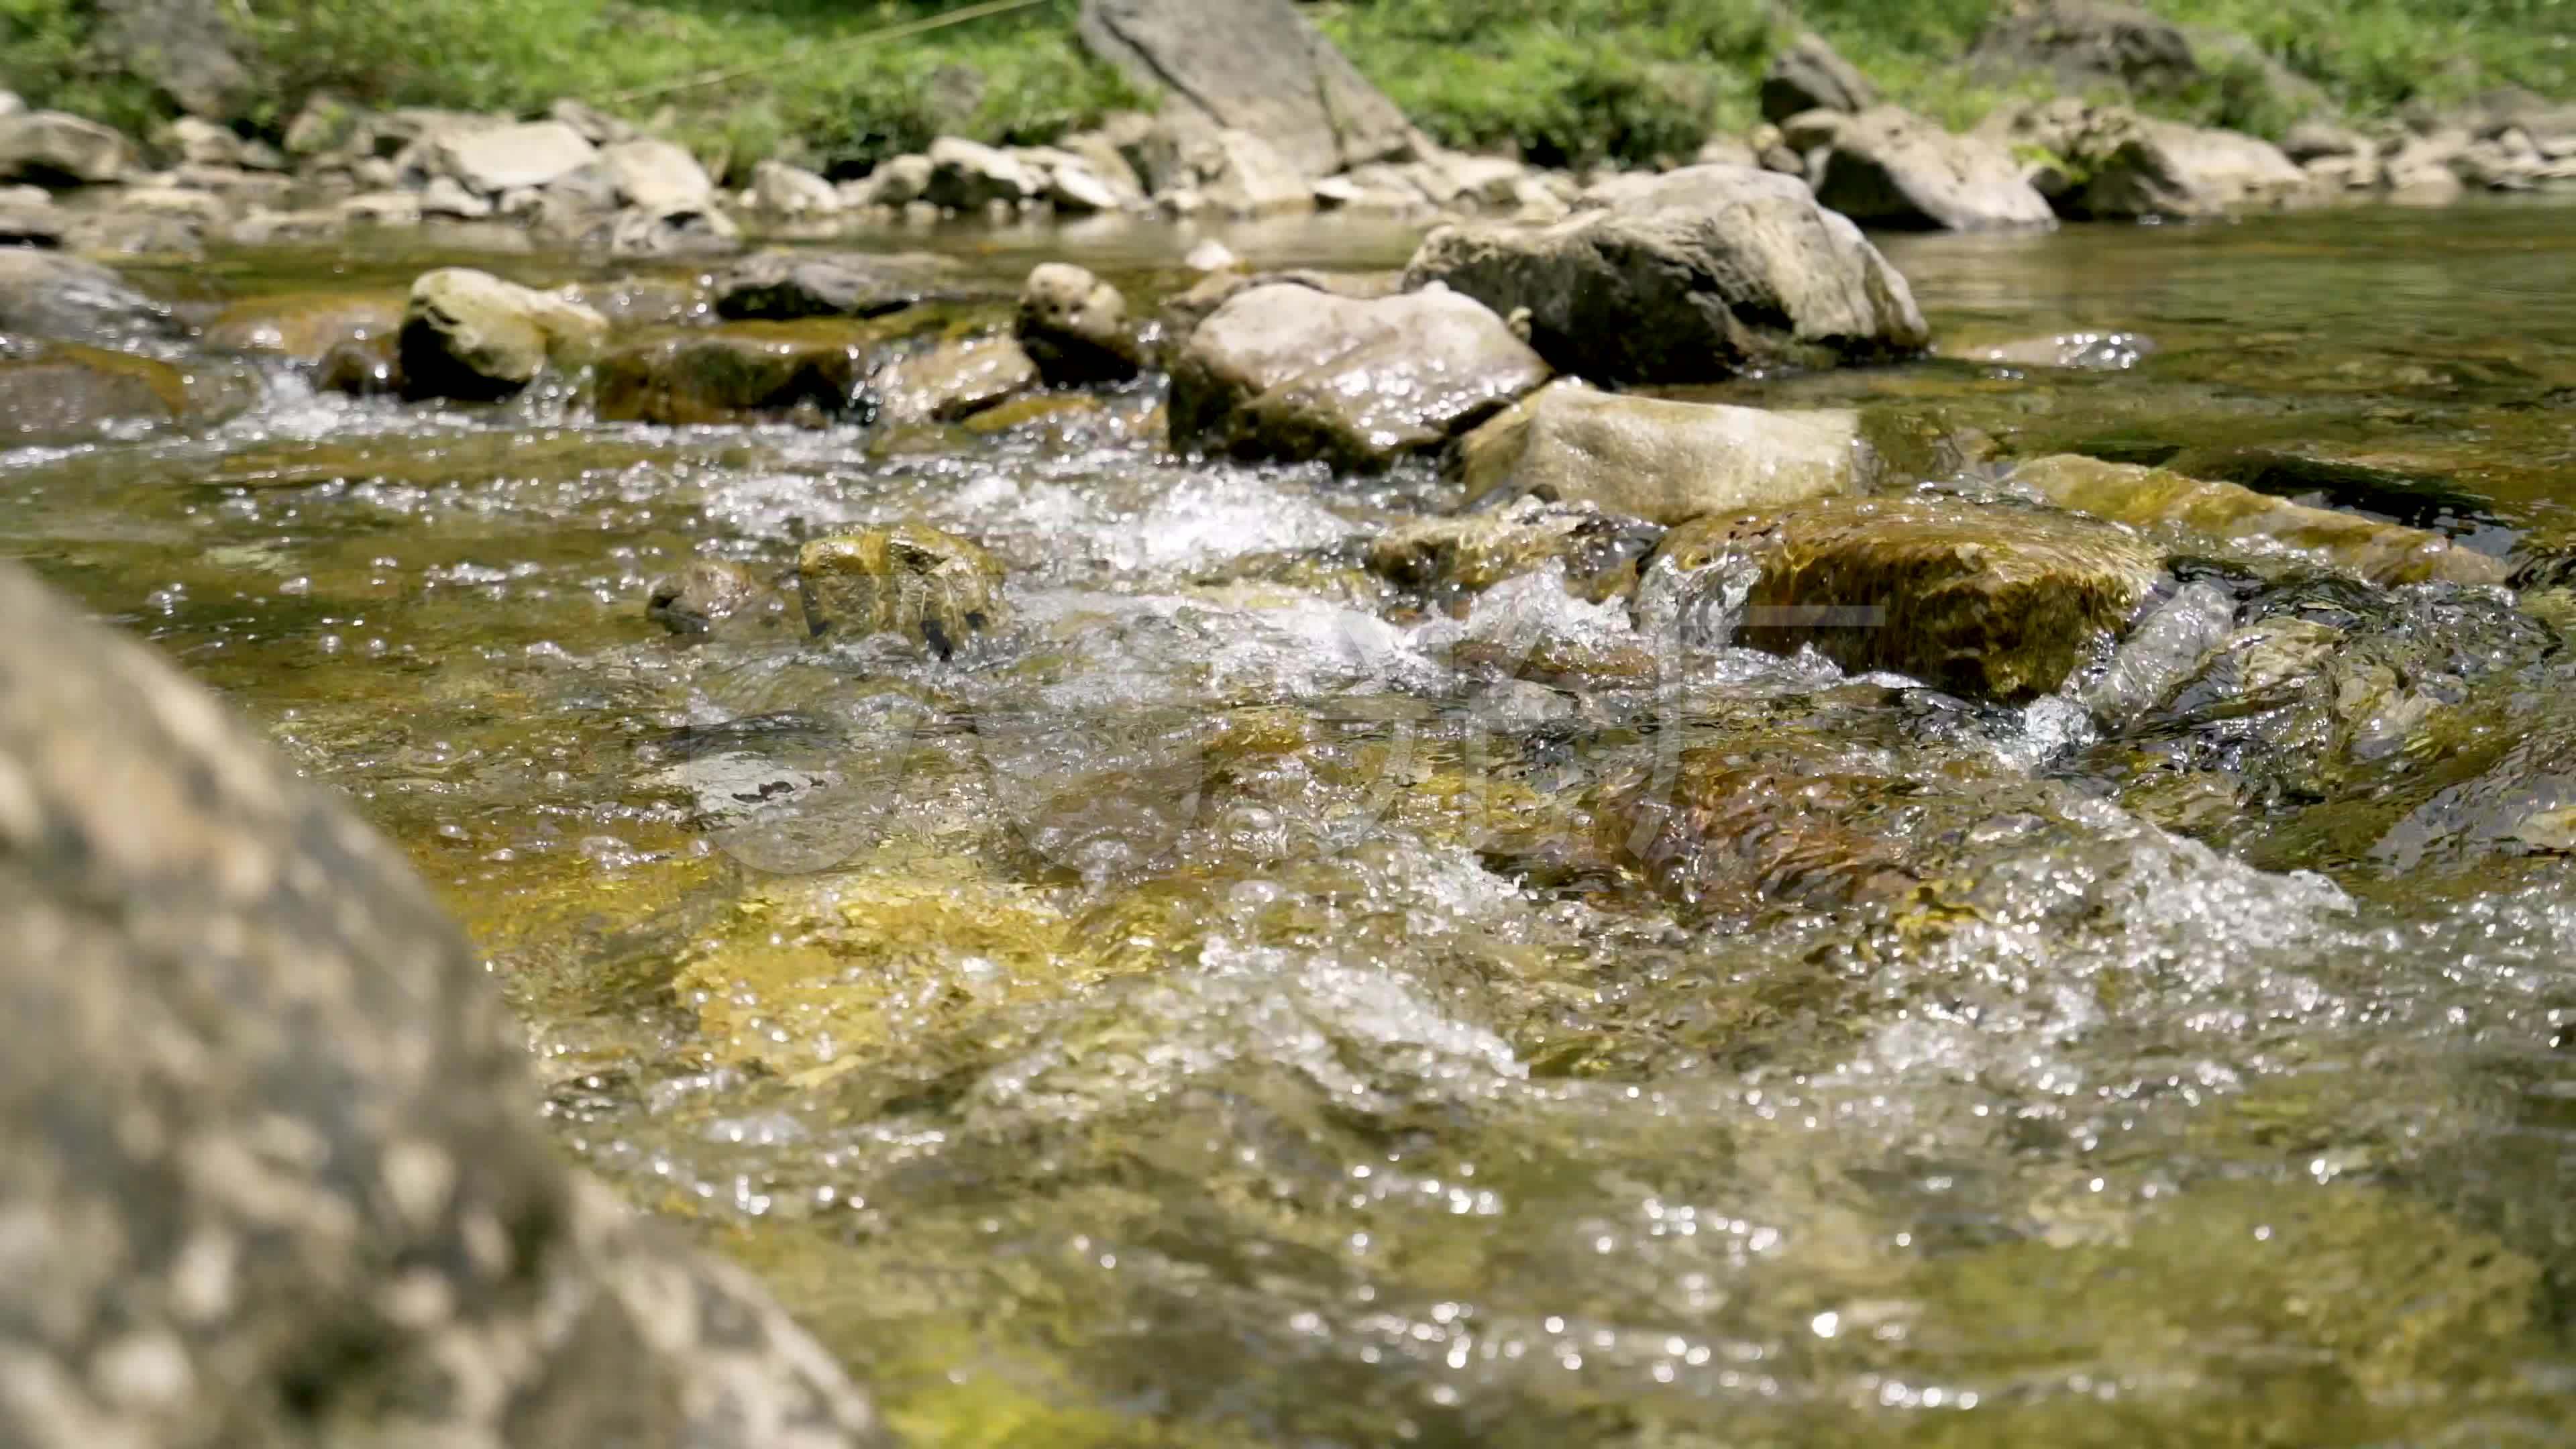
point(955, 380)
point(1075, 328)
point(705, 593)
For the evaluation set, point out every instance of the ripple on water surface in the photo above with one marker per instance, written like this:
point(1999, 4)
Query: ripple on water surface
point(1238, 1004)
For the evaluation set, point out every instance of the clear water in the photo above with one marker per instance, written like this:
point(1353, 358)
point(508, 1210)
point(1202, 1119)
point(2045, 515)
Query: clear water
point(1221, 1012)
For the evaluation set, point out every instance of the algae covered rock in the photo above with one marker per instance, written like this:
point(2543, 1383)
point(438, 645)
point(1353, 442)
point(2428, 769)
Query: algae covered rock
point(1291, 373)
point(472, 336)
point(2118, 165)
point(305, 326)
point(727, 377)
point(1075, 328)
point(1660, 460)
point(58, 392)
point(931, 587)
point(1694, 276)
point(273, 1169)
point(2383, 553)
point(1985, 601)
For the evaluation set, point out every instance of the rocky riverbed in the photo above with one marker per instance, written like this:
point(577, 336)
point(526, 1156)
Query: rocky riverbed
point(1967, 842)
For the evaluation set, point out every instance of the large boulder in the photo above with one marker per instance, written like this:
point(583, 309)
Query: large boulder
point(1665, 461)
point(2087, 46)
point(1695, 277)
point(928, 586)
point(786, 285)
point(2118, 165)
point(55, 149)
point(714, 377)
point(1255, 66)
point(1810, 75)
point(490, 160)
point(1895, 168)
point(1075, 328)
point(1287, 372)
point(472, 336)
point(190, 50)
point(2386, 554)
point(1983, 600)
point(46, 294)
point(271, 1169)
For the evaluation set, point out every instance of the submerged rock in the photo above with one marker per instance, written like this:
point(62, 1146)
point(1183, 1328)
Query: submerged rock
point(705, 593)
point(1660, 460)
point(783, 286)
point(59, 392)
point(1473, 552)
point(1075, 328)
point(471, 336)
point(2383, 553)
point(1896, 168)
point(305, 326)
point(1291, 373)
point(46, 294)
point(1695, 277)
point(1726, 831)
point(1984, 601)
point(730, 377)
point(930, 586)
point(273, 1169)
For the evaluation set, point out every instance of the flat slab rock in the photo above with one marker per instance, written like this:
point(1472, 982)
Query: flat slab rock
point(1290, 373)
point(1695, 277)
point(1986, 601)
point(272, 1170)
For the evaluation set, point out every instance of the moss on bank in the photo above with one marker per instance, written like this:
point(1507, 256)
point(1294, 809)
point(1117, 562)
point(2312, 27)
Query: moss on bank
point(1566, 81)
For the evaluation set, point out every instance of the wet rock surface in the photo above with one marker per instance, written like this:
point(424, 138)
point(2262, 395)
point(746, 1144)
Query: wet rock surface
point(1661, 460)
point(316, 1203)
point(471, 336)
point(1075, 328)
point(784, 286)
point(732, 377)
point(931, 587)
point(1291, 373)
point(1702, 274)
point(1985, 601)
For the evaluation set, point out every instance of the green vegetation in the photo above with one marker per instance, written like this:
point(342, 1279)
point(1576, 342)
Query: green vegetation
point(817, 98)
point(1566, 81)
point(1632, 79)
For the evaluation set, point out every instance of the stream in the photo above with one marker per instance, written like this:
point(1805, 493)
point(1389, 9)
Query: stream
point(1207, 1013)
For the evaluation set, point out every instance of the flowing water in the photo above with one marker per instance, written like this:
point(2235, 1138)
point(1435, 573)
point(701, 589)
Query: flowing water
point(1243, 1004)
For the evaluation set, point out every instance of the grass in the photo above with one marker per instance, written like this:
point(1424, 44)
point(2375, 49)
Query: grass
point(1011, 78)
point(1563, 81)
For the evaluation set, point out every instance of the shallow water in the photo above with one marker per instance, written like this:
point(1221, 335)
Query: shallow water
point(1219, 1011)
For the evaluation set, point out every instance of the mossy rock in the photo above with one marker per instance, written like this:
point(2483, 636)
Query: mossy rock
point(1986, 601)
point(63, 391)
point(932, 587)
point(1472, 552)
point(306, 326)
point(2385, 554)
